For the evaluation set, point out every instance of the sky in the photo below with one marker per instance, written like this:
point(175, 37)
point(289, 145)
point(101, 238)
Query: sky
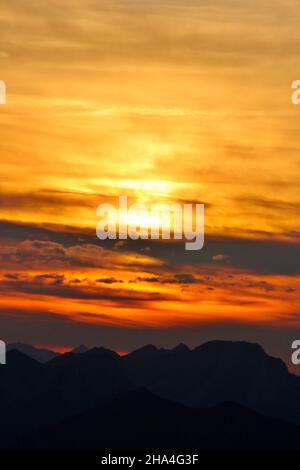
point(170, 101)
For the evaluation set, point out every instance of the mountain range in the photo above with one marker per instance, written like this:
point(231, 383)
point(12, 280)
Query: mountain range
point(219, 395)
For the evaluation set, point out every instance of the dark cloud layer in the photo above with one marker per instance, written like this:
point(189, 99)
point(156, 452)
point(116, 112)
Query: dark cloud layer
point(52, 285)
point(262, 256)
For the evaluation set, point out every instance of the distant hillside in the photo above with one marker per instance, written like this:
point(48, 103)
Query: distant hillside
point(39, 354)
point(140, 420)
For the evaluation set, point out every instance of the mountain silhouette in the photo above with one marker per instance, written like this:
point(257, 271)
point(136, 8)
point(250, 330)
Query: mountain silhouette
point(17, 377)
point(39, 354)
point(38, 396)
point(80, 349)
point(215, 372)
point(68, 384)
point(141, 420)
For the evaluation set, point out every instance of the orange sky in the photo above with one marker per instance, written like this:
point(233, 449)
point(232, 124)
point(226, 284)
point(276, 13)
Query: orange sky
point(170, 101)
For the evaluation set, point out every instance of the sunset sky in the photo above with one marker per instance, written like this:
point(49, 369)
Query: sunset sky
point(171, 101)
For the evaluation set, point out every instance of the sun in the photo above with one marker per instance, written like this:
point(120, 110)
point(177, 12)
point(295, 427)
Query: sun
point(155, 186)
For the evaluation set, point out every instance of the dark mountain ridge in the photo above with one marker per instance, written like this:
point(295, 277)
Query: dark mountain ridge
point(40, 395)
point(215, 372)
point(39, 354)
point(141, 420)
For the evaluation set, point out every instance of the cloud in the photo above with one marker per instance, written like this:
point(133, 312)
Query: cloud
point(220, 257)
point(13, 276)
point(67, 247)
point(177, 279)
point(37, 253)
point(217, 281)
point(58, 286)
point(55, 279)
point(109, 280)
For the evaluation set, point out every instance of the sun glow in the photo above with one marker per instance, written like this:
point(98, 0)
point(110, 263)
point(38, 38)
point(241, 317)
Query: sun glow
point(156, 186)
